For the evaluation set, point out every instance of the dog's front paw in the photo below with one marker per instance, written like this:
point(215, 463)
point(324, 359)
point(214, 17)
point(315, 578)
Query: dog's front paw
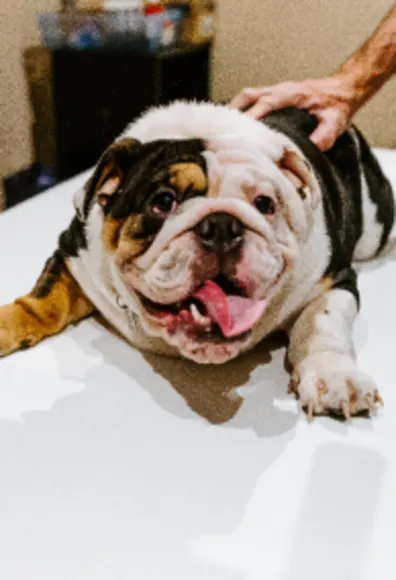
point(331, 383)
point(17, 329)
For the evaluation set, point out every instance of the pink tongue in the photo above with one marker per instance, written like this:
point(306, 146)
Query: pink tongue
point(234, 314)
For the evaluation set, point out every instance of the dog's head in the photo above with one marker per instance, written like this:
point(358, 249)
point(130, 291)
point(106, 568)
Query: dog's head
point(201, 233)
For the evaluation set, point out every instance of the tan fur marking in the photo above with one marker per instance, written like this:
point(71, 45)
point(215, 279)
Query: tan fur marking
point(29, 319)
point(352, 392)
point(131, 241)
point(250, 191)
point(326, 283)
point(111, 231)
point(296, 170)
point(123, 236)
point(296, 181)
point(126, 143)
point(185, 175)
point(134, 226)
point(108, 188)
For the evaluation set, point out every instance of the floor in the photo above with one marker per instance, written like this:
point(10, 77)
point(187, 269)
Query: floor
point(118, 465)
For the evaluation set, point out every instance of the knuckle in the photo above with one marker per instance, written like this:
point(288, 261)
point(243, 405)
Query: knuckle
point(246, 92)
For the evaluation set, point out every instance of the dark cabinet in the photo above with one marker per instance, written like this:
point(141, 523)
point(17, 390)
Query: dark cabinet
point(96, 93)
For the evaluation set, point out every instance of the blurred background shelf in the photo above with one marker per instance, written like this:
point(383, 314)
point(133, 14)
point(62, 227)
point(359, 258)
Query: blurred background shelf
point(97, 68)
point(82, 99)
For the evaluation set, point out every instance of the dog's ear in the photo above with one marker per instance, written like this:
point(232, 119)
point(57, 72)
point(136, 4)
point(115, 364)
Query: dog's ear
point(108, 175)
point(300, 174)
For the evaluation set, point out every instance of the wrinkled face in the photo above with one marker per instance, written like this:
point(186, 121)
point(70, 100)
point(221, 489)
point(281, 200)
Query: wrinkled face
point(201, 237)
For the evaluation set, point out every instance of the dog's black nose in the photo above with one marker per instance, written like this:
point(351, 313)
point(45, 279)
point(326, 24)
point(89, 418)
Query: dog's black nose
point(220, 232)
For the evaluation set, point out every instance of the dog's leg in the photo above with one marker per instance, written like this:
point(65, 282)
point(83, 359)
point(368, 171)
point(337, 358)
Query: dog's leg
point(325, 374)
point(54, 302)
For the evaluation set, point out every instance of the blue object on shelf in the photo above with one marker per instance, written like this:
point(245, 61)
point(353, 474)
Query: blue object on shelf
point(87, 36)
point(118, 28)
point(46, 177)
point(27, 183)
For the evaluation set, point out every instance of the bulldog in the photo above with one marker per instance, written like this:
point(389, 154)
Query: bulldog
point(201, 231)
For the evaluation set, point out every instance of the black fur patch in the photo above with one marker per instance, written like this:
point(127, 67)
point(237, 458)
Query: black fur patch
point(380, 189)
point(347, 200)
point(146, 167)
point(298, 125)
point(151, 171)
point(338, 173)
point(72, 240)
point(347, 280)
point(122, 155)
point(50, 274)
point(25, 345)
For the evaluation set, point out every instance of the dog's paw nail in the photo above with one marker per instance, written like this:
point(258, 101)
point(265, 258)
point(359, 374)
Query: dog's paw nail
point(310, 409)
point(370, 402)
point(345, 410)
point(378, 399)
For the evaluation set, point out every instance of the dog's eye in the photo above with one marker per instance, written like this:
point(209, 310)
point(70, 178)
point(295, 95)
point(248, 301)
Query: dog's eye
point(163, 202)
point(264, 204)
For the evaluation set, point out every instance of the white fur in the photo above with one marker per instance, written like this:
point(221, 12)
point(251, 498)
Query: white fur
point(246, 150)
point(184, 120)
point(323, 358)
point(369, 242)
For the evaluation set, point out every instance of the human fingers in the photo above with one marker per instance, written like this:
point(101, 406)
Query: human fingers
point(275, 98)
point(245, 98)
point(330, 127)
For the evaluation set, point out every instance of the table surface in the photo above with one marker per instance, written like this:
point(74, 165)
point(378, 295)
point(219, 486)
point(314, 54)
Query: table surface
point(118, 465)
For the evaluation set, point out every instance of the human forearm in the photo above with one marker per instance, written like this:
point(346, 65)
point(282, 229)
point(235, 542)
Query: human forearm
point(373, 63)
point(335, 99)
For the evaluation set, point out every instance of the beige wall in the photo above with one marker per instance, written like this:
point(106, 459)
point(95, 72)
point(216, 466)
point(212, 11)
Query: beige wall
point(265, 41)
point(259, 42)
point(17, 30)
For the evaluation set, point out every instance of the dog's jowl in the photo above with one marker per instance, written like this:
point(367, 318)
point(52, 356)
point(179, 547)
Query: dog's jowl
point(201, 231)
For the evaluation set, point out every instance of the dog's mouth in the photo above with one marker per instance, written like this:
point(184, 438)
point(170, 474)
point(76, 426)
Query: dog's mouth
point(217, 310)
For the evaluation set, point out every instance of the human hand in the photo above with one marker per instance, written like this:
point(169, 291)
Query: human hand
point(332, 100)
